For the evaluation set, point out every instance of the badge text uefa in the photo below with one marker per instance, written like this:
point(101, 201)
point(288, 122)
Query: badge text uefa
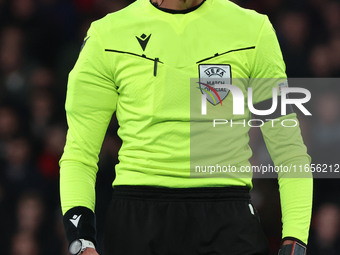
point(238, 100)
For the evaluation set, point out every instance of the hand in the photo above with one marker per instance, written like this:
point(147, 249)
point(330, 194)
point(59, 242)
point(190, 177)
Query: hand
point(90, 251)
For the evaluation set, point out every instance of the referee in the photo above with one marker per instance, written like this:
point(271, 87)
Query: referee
point(139, 62)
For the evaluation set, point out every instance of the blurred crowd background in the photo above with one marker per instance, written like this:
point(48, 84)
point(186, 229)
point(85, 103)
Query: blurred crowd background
point(39, 44)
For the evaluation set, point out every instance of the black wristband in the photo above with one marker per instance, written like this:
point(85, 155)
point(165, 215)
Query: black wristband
point(80, 223)
point(293, 249)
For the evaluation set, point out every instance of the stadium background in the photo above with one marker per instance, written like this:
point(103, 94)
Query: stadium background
point(39, 44)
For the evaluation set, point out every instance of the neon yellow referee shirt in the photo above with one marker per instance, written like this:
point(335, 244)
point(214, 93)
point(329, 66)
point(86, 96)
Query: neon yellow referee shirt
point(139, 62)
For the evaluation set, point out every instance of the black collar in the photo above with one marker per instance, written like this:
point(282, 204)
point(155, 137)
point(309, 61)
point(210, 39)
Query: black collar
point(178, 11)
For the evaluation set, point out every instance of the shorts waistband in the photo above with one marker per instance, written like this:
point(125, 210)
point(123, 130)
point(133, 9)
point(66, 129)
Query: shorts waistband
point(200, 193)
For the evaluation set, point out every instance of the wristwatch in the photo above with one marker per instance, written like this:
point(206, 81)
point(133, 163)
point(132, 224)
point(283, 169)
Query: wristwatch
point(79, 245)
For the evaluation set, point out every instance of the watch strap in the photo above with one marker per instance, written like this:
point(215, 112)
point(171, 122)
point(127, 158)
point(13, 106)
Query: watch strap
point(295, 248)
point(86, 244)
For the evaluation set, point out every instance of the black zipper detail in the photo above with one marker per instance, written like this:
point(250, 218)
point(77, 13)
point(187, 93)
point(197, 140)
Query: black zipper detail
point(217, 55)
point(155, 67)
point(134, 54)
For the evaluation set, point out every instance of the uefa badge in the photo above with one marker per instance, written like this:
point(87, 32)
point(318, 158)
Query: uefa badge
point(212, 75)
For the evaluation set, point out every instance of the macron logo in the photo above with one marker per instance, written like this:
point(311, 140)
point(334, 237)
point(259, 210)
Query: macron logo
point(75, 220)
point(143, 40)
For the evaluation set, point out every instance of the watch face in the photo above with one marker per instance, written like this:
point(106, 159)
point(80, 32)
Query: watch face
point(75, 247)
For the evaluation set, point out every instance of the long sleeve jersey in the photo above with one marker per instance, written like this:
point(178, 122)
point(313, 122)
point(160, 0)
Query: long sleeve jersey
point(145, 64)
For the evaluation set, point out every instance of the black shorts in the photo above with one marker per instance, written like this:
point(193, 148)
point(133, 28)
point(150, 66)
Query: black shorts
point(191, 221)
